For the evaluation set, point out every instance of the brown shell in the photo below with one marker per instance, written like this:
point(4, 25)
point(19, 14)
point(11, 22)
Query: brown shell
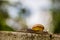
point(38, 27)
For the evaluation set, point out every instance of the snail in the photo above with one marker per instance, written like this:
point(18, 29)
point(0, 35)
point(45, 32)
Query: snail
point(38, 28)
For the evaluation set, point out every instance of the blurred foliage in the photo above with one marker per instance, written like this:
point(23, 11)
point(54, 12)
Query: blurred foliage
point(3, 2)
point(56, 15)
point(56, 20)
point(22, 18)
point(3, 25)
point(3, 16)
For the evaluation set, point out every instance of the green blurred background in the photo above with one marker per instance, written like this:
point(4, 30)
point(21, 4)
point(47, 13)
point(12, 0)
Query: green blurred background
point(3, 16)
point(55, 15)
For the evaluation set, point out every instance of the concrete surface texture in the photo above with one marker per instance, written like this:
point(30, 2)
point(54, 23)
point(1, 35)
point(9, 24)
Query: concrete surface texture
point(6, 35)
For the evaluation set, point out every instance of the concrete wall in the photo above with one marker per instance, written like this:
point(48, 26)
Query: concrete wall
point(5, 35)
